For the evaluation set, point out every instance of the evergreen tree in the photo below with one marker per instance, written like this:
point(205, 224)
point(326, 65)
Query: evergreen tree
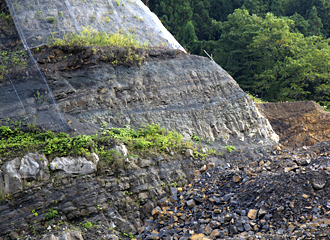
point(300, 24)
point(189, 35)
point(314, 22)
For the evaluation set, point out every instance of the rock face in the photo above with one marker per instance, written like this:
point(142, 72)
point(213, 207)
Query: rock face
point(38, 22)
point(298, 123)
point(67, 166)
point(34, 166)
point(190, 94)
point(13, 180)
point(106, 200)
point(17, 172)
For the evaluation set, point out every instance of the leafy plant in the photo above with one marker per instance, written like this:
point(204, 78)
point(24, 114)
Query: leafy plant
point(51, 214)
point(34, 213)
point(229, 148)
point(51, 20)
point(87, 225)
point(174, 184)
point(194, 137)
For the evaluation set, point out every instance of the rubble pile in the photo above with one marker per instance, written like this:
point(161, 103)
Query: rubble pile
point(284, 195)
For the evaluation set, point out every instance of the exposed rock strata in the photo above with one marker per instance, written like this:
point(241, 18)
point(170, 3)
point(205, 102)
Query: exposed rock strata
point(121, 199)
point(298, 123)
point(190, 94)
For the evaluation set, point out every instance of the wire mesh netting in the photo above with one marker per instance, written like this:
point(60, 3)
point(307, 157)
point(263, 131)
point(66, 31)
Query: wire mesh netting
point(25, 95)
point(29, 24)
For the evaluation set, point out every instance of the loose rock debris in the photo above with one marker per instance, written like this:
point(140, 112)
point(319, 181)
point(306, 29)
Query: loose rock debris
point(283, 195)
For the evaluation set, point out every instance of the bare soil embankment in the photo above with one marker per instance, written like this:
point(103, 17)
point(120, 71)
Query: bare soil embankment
point(298, 123)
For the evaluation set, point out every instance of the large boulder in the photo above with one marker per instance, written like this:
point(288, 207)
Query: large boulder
point(73, 235)
point(34, 166)
point(13, 180)
point(67, 166)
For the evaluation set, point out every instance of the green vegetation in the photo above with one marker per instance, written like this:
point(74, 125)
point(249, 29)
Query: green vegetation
point(149, 140)
point(277, 49)
point(90, 37)
point(194, 137)
point(229, 148)
point(130, 235)
point(256, 99)
point(11, 63)
point(51, 214)
point(34, 213)
point(87, 225)
point(51, 20)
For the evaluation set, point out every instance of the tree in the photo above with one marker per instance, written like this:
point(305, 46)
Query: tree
point(314, 22)
point(189, 34)
point(231, 49)
point(174, 14)
point(300, 24)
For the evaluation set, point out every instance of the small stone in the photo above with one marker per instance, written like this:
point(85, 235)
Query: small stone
point(247, 227)
point(199, 236)
point(189, 153)
point(208, 230)
point(262, 212)
point(191, 203)
point(233, 229)
point(305, 196)
point(210, 165)
point(291, 229)
point(291, 205)
point(227, 217)
point(318, 186)
point(113, 237)
point(237, 179)
point(14, 235)
point(215, 233)
point(217, 211)
point(156, 211)
point(197, 173)
point(203, 169)
point(287, 169)
point(252, 214)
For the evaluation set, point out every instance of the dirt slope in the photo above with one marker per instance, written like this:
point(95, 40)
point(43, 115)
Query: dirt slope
point(298, 123)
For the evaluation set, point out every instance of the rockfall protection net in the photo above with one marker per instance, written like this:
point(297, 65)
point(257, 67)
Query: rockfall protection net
point(28, 24)
point(25, 95)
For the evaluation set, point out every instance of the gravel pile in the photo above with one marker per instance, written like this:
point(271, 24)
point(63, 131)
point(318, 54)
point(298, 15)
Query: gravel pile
point(282, 195)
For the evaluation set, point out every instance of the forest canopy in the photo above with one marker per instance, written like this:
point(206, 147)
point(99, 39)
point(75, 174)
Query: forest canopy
point(276, 49)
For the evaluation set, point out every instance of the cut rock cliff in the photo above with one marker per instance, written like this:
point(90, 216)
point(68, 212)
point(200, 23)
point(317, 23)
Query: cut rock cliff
point(188, 93)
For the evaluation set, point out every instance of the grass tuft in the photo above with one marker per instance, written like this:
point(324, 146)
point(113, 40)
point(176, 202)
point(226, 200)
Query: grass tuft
point(90, 37)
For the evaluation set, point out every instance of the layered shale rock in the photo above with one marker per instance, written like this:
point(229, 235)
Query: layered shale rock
point(190, 94)
point(70, 194)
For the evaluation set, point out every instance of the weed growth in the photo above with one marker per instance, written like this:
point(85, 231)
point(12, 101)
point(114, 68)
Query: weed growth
point(52, 214)
point(229, 148)
point(13, 63)
point(150, 140)
point(90, 37)
point(256, 99)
